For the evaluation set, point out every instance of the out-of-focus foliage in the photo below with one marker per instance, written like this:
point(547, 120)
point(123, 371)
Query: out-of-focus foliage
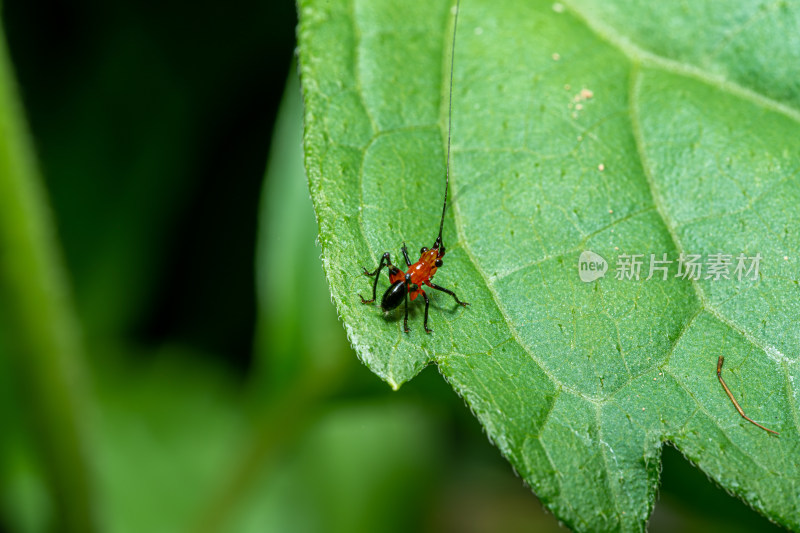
point(218, 391)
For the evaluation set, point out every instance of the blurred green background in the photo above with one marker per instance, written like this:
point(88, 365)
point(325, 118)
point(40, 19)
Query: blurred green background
point(216, 390)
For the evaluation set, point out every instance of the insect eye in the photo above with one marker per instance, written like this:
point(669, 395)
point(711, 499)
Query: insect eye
point(438, 263)
point(423, 250)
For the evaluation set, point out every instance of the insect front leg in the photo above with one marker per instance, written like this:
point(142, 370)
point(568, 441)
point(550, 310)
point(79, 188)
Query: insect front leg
point(405, 254)
point(384, 258)
point(448, 291)
point(385, 261)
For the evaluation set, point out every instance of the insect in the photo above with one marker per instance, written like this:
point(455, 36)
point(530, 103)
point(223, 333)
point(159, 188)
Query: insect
point(735, 403)
point(407, 285)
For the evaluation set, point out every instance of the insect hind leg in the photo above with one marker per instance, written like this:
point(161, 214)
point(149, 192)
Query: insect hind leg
point(386, 261)
point(448, 291)
point(405, 318)
point(427, 304)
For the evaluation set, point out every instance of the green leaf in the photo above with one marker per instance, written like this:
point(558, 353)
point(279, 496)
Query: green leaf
point(291, 287)
point(357, 464)
point(165, 433)
point(611, 127)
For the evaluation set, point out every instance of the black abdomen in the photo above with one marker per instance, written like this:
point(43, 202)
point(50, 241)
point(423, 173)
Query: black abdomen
point(393, 296)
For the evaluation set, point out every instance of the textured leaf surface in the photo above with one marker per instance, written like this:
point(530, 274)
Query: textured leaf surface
point(617, 127)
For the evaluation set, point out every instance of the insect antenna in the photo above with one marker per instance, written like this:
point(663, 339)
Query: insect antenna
point(438, 242)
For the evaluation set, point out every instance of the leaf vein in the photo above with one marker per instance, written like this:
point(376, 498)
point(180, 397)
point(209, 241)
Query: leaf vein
point(639, 55)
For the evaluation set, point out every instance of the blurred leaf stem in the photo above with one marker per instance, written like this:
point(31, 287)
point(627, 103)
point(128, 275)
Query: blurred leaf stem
point(296, 371)
point(43, 342)
point(281, 423)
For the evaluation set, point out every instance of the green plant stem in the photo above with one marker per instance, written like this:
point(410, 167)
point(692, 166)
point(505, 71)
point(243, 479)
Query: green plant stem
point(282, 421)
point(43, 342)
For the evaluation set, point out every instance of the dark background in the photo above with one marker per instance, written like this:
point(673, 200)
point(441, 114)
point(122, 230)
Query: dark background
point(152, 122)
